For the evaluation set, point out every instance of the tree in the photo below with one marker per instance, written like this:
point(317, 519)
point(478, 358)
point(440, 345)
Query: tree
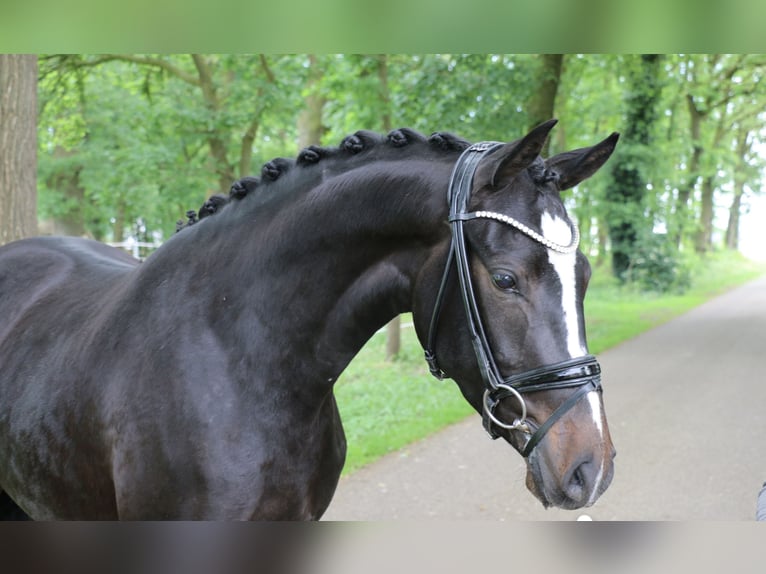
point(311, 126)
point(18, 146)
point(721, 92)
point(542, 103)
point(217, 80)
point(740, 182)
point(626, 191)
point(589, 106)
point(128, 139)
point(156, 135)
point(394, 327)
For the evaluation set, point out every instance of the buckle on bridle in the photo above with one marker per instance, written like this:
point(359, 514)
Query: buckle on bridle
point(433, 367)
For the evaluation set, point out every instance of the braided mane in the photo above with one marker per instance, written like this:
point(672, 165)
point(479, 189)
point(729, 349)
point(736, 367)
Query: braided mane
point(350, 145)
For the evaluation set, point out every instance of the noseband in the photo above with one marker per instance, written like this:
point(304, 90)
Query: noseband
point(582, 372)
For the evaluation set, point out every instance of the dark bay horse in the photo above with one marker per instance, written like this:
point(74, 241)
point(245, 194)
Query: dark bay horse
point(199, 383)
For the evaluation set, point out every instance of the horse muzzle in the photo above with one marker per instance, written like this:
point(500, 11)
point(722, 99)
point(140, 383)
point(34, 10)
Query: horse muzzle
point(582, 373)
point(574, 465)
point(580, 486)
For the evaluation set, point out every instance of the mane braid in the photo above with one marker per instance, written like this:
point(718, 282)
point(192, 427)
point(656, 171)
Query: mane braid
point(273, 169)
point(404, 136)
point(212, 205)
point(311, 155)
point(240, 188)
point(353, 144)
point(361, 141)
point(448, 142)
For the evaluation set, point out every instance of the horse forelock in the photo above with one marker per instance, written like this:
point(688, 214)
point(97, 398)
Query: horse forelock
point(362, 145)
point(540, 173)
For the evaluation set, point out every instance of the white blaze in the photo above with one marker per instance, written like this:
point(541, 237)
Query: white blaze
point(596, 406)
point(559, 231)
point(594, 400)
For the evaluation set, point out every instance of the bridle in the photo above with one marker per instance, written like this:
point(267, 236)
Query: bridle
point(583, 373)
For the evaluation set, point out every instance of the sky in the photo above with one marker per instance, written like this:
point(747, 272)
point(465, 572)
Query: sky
point(752, 230)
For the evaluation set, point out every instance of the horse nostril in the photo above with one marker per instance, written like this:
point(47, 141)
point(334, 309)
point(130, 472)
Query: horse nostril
point(578, 487)
point(575, 487)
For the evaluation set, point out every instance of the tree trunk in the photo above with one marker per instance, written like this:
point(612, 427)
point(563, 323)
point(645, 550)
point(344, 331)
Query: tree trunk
point(118, 226)
point(704, 237)
point(681, 221)
point(625, 195)
point(310, 125)
point(603, 240)
point(542, 104)
point(732, 227)
point(246, 147)
point(394, 327)
point(18, 146)
point(216, 137)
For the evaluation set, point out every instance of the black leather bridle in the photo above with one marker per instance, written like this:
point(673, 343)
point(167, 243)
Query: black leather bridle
point(583, 373)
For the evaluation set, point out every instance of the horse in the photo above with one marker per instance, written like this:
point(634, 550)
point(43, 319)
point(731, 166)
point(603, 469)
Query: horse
point(198, 384)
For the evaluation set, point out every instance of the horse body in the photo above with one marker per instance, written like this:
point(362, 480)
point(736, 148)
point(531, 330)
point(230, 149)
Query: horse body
point(198, 384)
point(137, 413)
point(193, 382)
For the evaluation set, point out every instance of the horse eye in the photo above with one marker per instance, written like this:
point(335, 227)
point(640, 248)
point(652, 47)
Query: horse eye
point(504, 281)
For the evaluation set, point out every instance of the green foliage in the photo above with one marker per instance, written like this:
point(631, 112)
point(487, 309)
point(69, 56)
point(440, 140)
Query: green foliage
point(656, 265)
point(137, 137)
point(630, 165)
point(475, 96)
point(136, 140)
point(616, 312)
point(121, 148)
point(386, 405)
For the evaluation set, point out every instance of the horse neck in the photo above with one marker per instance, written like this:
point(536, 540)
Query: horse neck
point(320, 270)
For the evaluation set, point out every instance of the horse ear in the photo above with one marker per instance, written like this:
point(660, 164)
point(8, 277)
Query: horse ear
point(514, 157)
point(577, 165)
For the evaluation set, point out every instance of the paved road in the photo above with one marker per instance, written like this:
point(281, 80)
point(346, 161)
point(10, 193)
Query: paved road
point(686, 404)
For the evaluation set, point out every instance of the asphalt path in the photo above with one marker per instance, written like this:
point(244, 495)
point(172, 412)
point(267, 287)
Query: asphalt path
point(686, 404)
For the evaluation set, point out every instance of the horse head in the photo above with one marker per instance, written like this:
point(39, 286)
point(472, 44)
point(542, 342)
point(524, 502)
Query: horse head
point(516, 310)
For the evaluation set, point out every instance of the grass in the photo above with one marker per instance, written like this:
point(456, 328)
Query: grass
point(614, 314)
point(387, 405)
